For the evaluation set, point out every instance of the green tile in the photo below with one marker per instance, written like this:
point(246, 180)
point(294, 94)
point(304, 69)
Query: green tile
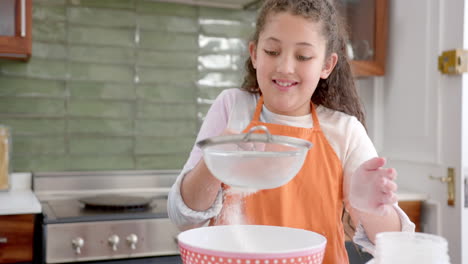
point(101, 36)
point(109, 55)
point(178, 59)
point(50, 13)
point(50, 2)
point(89, 108)
point(101, 145)
point(227, 14)
point(100, 162)
point(120, 4)
point(152, 145)
point(49, 31)
point(168, 23)
point(221, 79)
point(101, 17)
point(168, 41)
point(101, 90)
point(99, 72)
point(90, 59)
point(165, 161)
point(33, 106)
point(30, 126)
point(168, 92)
point(201, 112)
point(174, 9)
point(39, 145)
point(38, 163)
point(166, 128)
point(49, 50)
point(239, 62)
point(218, 62)
point(40, 68)
point(154, 75)
point(12, 86)
point(165, 111)
point(211, 44)
point(209, 92)
point(231, 29)
point(101, 126)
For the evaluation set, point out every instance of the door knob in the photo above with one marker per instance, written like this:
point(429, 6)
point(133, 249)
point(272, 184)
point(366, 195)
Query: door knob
point(450, 180)
point(441, 179)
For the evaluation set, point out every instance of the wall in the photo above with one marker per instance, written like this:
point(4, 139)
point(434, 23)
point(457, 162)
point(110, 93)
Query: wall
point(464, 144)
point(119, 84)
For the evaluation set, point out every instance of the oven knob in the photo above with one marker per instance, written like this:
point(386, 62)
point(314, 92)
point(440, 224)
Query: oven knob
point(77, 244)
point(132, 239)
point(113, 242)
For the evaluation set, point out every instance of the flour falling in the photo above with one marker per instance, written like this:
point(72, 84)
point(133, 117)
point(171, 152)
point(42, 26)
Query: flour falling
point(233, 212)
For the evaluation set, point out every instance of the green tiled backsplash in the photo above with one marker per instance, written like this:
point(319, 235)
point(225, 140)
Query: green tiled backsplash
point(116, 84)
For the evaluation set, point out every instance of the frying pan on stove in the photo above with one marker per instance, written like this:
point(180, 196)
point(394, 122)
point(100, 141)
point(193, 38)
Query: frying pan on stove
point(117, 202)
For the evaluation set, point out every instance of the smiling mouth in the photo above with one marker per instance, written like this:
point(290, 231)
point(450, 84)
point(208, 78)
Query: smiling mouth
point(284, 86)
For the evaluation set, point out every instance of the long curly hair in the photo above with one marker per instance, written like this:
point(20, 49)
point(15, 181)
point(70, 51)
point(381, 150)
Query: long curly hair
point(338, 91)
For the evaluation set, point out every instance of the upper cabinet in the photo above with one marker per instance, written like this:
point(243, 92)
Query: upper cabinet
point(15, 29)
point(367, 22)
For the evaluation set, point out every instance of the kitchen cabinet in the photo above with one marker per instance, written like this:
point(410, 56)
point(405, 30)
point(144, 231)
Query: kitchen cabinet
point(367, 24)
point(15, 29)
point(412, 208)
point(16, 238)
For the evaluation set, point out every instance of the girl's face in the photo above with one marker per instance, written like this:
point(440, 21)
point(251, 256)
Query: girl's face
point(290, 60)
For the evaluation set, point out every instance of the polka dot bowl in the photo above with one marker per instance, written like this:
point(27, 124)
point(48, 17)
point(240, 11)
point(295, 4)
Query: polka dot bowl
point(251, 244)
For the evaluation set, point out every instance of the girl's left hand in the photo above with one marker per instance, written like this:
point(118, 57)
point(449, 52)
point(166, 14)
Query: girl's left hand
point(372, 187)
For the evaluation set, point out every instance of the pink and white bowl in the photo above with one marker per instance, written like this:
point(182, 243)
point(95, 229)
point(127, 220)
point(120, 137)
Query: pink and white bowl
point(251, 244)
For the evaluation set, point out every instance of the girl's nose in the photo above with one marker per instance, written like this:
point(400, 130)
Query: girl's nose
point(285, 65)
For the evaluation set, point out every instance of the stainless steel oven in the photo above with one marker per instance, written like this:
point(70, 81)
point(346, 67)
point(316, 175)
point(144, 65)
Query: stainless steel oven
point(104, 216)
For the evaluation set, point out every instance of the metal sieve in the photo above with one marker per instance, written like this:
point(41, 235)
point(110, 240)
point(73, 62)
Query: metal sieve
point(254, 160)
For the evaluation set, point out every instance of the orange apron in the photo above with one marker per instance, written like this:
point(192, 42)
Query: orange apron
point(313, 200)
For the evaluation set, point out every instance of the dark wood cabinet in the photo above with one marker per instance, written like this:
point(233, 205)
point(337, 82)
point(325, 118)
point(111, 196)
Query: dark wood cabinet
point(411, 208)
point(16, 238)
point(15, 29)
point(367, 24)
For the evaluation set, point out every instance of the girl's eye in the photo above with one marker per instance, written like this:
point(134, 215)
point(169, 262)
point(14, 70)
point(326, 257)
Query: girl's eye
point(271, 52)
point(303, 58)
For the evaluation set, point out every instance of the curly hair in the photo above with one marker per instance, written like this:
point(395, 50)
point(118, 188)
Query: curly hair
point(338, 91)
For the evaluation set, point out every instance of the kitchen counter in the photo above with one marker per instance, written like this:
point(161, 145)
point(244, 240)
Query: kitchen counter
point(20, 199)
point(406, 195)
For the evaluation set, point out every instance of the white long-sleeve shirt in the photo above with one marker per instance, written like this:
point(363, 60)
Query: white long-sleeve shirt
point(234, 109)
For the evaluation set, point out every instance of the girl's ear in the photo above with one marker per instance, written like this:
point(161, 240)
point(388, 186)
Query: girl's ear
point(253, 54)
point(329, 65)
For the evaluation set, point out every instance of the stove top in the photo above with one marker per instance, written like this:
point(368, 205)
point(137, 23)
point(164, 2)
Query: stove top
point(72, 211)
point(84, 196)
point(105, 215)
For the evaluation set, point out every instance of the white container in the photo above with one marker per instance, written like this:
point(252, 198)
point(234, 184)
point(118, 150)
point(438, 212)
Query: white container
point(410, 248)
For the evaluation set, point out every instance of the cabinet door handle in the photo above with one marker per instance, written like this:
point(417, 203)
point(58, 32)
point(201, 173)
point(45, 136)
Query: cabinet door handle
point(3, 240)
point(23, 18)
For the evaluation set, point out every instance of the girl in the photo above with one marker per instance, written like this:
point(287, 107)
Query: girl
point(298, 84)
